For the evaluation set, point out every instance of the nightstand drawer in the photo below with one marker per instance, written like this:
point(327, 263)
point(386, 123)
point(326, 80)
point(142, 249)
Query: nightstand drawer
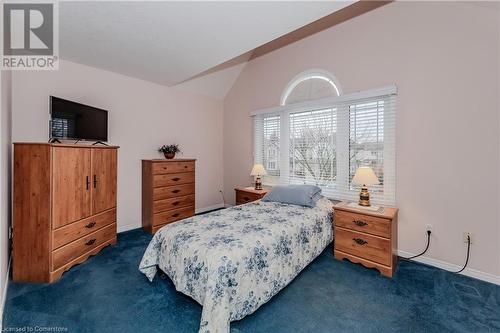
point(245, 197)
point(364, 223)
point(365, 246)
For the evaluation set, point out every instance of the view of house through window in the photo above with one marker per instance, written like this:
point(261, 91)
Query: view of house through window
point(312, 146)
point(271, 145)
point(366, 138)
point(324, 141)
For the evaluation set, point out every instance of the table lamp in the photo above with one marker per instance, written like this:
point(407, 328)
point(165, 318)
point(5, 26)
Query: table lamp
point(257, 171)
point(365, 177)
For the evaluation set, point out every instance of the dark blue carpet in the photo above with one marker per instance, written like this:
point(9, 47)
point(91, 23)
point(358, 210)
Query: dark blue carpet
point(108, 294)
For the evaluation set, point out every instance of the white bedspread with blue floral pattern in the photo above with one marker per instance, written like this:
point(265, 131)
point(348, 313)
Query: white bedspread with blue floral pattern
point(234, 260)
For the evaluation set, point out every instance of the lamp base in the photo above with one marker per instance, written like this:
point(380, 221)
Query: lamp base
point(364, 197)
point(258, 183)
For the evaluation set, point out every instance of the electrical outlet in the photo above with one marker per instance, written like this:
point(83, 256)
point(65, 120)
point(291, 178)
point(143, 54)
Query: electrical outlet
point(471, 235)
point(428, 227)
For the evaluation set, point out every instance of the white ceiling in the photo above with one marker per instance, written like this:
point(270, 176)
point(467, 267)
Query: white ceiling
point(170, 42)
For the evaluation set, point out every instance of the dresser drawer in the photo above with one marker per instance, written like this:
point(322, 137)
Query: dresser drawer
point(245, 197)
point(171, 179)
point(70, 232)
point(365, 246)
point(172, 191)
point(172, 215)
point(65, 254)
point(364, 223)
point(172, 167)
point(173, 203)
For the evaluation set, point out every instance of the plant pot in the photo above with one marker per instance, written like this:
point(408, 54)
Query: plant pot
point(169, 156)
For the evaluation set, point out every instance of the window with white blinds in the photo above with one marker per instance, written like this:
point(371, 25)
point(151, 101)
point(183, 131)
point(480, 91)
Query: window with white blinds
point(323, 142)
point(312, 146)
point(268, 151)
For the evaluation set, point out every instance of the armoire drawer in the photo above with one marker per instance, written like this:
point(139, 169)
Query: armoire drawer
point(173, 215)
point(69, 233)
point(172, 191)
point(173, 203)
point(172, 179)
point(70, 251)
point(172, 167)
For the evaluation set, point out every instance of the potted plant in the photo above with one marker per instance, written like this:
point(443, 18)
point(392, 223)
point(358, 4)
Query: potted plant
point(169, 150)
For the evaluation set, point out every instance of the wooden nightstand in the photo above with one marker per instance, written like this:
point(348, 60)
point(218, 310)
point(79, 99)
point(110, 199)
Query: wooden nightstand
point(248, 194)
point(366, 237)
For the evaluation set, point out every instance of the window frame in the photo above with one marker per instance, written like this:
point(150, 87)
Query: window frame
point(342, 104)
point(307, 75)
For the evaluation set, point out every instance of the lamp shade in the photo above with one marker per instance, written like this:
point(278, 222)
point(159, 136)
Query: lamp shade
point(365, 176)
point(258, 170)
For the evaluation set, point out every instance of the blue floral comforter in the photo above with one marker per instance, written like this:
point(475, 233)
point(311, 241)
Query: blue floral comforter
point(234, 260)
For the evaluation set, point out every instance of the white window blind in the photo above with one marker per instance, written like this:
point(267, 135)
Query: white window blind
point(268, 143)
point(312, 146)
point(323, 142)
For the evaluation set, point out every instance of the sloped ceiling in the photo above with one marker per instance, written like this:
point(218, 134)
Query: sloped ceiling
point(171, 42)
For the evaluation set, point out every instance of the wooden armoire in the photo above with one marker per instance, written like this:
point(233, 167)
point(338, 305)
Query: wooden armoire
point(64, 207)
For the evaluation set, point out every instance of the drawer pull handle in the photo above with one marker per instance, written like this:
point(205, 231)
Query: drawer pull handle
point(359, 223)
point(90, 242)
point(176, 191)
point(185, 167)
point(360, 241)
point(87, 183)
point(90, 225)
point(246, 198)
point(175, 215)
point(176, 179)
point(175, 203)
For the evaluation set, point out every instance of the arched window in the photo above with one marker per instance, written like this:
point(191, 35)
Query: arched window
point(316, 138)
point(309, 85)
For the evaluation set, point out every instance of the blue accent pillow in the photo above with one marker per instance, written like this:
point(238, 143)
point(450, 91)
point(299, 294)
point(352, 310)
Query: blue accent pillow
point(302, 195)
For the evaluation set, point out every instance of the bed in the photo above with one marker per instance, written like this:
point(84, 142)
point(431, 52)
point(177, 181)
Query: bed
point(234, 260)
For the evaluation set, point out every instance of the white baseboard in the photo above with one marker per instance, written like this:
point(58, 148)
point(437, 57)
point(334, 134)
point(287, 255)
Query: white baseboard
point(4, 293)
point(209, 208)
point(491, 278)
point(123, 228)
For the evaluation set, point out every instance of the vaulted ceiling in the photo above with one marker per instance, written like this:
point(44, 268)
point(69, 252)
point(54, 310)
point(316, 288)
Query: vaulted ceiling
point(171, 42)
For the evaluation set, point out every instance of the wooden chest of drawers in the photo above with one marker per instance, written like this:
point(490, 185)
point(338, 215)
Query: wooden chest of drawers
point(248, 194)
point(366, 237)
point(168, 192)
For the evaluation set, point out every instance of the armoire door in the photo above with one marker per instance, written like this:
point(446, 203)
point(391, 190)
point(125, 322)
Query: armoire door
point(71, 182)
point(103, 179)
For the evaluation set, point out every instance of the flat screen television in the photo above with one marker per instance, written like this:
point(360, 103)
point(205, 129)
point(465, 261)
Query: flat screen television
point(71, 120)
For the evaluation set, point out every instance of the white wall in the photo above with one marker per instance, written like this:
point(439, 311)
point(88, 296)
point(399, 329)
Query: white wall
point(444, 59)
point(142, 117)
point(5, 180)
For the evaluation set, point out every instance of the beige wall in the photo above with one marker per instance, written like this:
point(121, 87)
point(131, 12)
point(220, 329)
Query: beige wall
point(444, 59)
point(142, 117)
point(5, 179)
